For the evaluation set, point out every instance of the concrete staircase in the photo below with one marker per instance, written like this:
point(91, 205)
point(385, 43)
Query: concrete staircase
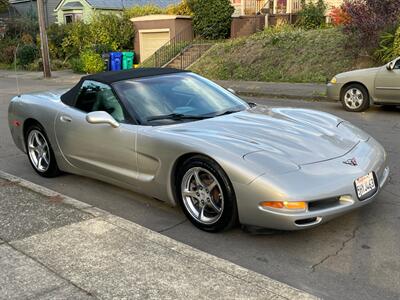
point(188, 56)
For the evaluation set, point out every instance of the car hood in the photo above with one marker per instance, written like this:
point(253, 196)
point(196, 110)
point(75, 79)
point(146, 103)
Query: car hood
point(369, 71)
point(298, 135)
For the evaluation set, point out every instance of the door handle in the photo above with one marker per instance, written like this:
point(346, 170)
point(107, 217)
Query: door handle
point(65, 119)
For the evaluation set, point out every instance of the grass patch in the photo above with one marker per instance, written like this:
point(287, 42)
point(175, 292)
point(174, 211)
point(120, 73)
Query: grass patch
point(282, 55)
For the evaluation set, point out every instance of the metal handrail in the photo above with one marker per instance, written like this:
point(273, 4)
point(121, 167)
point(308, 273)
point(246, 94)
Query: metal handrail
point(176, 47)
point(170, 49)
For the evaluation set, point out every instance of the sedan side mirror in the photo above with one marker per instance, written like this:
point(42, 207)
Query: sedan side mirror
point(390, 66)
point(101, 117)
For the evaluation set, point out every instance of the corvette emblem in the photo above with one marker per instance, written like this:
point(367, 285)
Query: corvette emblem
point(352, 162)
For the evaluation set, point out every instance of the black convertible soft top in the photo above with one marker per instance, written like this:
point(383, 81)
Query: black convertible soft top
point(70, 97)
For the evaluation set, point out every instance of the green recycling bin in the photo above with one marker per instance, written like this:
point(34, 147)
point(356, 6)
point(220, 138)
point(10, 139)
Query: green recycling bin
point(127, 60)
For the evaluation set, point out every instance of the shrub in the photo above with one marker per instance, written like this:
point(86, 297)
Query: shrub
point(182, 8)
point(91, 62)
point(386, 49)
point(26, 54)
point(312, 15)
point(4, 5)
point(143, 10)
point(116, 35)
point(339, 16)
point(76, 65)
point(17, 27)
point(55, 35)
point(212, 19)
point(396, 43)
point(369, 18)
point(7, 51)
point(76, 38)
point(26, 39)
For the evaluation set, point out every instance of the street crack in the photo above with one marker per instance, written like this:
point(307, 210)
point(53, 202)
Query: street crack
point(337, 252)
point(172, 227)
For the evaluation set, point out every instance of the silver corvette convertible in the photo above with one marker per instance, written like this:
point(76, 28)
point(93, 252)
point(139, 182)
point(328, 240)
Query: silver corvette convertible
point(180, 138)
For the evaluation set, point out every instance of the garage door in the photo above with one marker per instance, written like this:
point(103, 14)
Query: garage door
point(151, 41)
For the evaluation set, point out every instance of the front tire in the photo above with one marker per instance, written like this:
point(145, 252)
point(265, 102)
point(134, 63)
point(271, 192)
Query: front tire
point(40, 153)
point(206, 194)
point(355, 98)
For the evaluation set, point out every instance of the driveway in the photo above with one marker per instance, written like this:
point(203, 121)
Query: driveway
point(354, 257)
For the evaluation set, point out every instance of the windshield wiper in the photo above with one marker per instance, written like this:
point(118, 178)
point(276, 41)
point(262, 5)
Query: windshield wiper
point(228, 112)
point(175, 116)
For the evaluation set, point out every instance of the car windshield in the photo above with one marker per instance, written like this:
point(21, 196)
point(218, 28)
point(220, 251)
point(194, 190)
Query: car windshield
point(176, 97)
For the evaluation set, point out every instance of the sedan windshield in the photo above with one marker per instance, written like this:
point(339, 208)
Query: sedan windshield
point(176, 98)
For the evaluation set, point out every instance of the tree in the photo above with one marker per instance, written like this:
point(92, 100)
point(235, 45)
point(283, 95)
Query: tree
point(4, 4)
point(143, 10)
point(182, 8)
point(212, 19)
point(312, 15)
point(369, 18)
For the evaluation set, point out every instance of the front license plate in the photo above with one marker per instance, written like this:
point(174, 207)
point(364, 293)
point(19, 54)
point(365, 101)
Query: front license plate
point(365, 186)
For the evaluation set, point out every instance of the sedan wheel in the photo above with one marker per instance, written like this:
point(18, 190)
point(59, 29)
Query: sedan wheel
point(206, 194)
point(355, 98)
point(40, 153)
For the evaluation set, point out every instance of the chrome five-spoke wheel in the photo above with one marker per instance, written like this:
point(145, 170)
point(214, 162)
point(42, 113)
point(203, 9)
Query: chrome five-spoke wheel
point(206, 194)
point(202, 195)
point(38, 150)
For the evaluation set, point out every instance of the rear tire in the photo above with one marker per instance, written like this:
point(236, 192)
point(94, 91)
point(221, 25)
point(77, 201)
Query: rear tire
point(40, 153)
point(206, 194)
point(355, 98)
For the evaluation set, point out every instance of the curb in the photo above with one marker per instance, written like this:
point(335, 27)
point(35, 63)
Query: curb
point(285, 96)
point(278, 288)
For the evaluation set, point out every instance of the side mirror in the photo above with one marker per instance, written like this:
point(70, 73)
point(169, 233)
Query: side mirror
point(231, 90)
point(390, 66)
point(101, 117)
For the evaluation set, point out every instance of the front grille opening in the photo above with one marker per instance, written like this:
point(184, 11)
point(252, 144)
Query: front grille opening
point(324, 204)
point(306, 221)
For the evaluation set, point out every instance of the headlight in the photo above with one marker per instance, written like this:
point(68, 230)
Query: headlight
point(334, 80)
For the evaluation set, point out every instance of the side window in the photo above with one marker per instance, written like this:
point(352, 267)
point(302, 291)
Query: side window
point(397, 64)
point(96, 96)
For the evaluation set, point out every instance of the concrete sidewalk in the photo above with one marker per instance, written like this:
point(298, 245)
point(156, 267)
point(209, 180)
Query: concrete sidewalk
point(52, 246)
point(304, 91)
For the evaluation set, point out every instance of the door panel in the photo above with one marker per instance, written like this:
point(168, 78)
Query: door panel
point(387, 86)
point(97, 148)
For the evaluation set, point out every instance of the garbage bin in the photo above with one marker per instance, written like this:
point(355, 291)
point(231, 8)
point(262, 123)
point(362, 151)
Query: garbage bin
point(127, 60)
point(115, 61)
point(106, 59)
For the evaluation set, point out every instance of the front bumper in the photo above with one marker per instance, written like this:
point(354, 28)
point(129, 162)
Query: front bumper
point(333, 91)
point(313, 183)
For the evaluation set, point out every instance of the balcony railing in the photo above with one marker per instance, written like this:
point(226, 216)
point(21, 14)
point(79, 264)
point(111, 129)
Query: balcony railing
point(253, 7)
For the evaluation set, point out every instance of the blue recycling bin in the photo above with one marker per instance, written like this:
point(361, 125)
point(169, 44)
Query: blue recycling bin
point(115, 61)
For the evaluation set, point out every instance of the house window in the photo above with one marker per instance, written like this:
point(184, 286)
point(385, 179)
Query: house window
point(68, 18)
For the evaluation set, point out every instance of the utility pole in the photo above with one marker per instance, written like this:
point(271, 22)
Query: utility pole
point(43, 39)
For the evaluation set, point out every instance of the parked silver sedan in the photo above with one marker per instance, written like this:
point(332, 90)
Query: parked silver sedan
point(359, 89)
point(180, 138)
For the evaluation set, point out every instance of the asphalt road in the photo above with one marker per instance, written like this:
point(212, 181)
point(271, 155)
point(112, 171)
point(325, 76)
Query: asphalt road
point(354, 257)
